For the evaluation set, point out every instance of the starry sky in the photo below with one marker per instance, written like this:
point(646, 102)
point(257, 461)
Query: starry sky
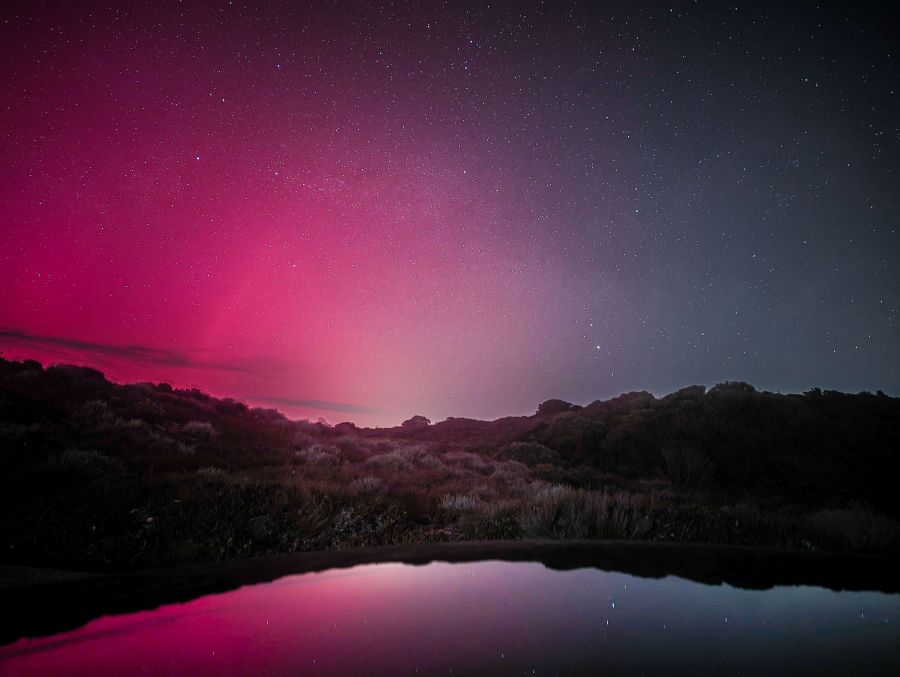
point(364, 211)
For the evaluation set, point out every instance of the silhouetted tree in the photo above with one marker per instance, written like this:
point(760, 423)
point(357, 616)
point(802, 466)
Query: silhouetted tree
point(555, 407)
point(732, 387)
point(416, 422)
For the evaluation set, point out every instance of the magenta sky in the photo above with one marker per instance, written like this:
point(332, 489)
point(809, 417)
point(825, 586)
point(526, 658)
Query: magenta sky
point(364, 214)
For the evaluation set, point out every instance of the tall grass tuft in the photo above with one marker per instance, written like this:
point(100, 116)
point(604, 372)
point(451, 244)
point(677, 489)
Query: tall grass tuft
point(556, 511)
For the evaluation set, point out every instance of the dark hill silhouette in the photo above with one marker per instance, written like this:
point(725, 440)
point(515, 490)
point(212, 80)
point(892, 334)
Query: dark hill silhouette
point(96, 475)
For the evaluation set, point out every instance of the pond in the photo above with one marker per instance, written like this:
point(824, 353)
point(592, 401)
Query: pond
point(482, 618)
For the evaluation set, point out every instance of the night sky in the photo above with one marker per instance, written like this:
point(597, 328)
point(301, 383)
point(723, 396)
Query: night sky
point(370, 210)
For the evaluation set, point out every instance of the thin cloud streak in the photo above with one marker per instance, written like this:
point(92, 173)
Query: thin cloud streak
point(169, 358)
point(134, 353)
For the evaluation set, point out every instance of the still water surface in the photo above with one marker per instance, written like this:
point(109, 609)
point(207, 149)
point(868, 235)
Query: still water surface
point(482, 618)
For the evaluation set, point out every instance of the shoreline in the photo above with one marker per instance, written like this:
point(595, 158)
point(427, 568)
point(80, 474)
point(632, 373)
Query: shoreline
point(46, 601)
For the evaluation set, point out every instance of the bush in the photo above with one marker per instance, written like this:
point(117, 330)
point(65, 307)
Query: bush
point(95, 414)
point(510, 473)
point(474, 462)
point(856, 529)
point(200, 429)
point(688, 469)
point(551, 407)
point(460, 503)
point(211, 472)
point(407, 458)
point(529, 453)
point(90, 460)
point(367, 485)
point(416, 423)
point(556, 511)
point(319, 454)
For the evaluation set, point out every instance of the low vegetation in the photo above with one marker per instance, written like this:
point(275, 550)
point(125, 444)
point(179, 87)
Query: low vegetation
point(105, 477)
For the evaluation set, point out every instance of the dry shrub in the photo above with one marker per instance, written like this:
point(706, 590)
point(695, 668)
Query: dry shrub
point(510, 473)
point(688, 469)
point(319, 454)
point(354, 449)
point(210, 472)
point(466, 460)
point(552, 512)
point(855, 528)
point(530, 453)
point(556, 511)
point(200, 429)
point(95, 414)
point(90, 461)
point(367, 485)
point(407, 458)
point(309, 520)
point(621, 517)
point(484, 492)
point(302, 439)
point(460, 503)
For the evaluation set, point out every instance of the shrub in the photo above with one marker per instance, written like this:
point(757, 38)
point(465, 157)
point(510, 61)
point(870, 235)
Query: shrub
point(415, 423)
point(856, 528)
point(556, 511)
point(200, 429)
point(619, 518)
point(231, 407)
point(555, 407)
point(95, 414)
point(460, 503)
point(148, 408)
point(552, 512)
point(91, 461)
point(464, 459)
point(732, 387)
point(78, 374)
point(484, 493)
point(530, 453)
point(688, 469)
point(487, 520)
point(407, 458)
point(319, 454)
point(367, 485)
point(510, 473)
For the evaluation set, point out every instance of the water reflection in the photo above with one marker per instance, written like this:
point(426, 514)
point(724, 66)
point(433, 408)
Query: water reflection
point(482, 618)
